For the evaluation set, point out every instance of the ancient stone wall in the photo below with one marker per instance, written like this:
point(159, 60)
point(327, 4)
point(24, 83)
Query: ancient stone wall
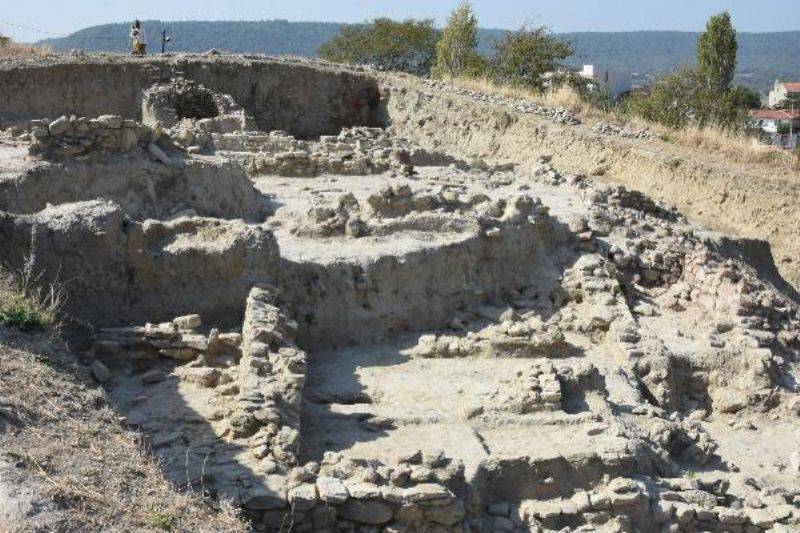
point(342, 302)
point(81, 136)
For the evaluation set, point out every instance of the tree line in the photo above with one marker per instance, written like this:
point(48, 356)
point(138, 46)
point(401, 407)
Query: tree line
point(532, 58)
point(417, 46)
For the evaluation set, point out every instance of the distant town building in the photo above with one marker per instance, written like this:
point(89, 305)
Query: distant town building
point(781, 127)
point(782, 92)
point(776, 120)
point(614, 81)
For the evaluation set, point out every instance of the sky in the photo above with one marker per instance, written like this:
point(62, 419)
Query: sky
point(31, 21)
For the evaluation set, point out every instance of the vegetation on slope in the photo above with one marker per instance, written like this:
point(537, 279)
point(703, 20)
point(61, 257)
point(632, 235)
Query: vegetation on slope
point(25, 304)
point(66, 461)
point(65, 445)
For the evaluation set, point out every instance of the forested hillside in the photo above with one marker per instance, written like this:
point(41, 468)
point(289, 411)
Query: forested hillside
point(763, 57)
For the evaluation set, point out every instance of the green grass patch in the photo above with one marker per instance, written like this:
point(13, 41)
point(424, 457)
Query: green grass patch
point(25, 303)
point(20, 316)
point(162, 521)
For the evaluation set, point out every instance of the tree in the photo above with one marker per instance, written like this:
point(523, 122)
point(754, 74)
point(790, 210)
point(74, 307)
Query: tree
point(716, 54)
point(4, 41)
point(716, 65)
point(523, 57)
point(456, 50)
point(408, 46)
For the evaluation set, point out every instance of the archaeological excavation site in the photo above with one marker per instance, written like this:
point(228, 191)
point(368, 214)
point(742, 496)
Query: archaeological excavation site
point(348, 300)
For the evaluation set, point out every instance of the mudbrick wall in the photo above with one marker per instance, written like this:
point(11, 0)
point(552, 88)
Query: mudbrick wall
point(746, 200)
point(281, 95)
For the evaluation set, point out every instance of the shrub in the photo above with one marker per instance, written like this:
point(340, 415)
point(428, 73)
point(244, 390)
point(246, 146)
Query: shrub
point(26, 302)
point(11, 50)
point(671, 99)
point(163, 521)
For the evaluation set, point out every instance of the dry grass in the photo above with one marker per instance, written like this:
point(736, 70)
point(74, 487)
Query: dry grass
point(562, 96)
point(734, 147)
point(88, 470)
point(23, 51)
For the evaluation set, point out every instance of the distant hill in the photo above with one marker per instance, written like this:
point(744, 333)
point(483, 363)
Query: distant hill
point(763, 57)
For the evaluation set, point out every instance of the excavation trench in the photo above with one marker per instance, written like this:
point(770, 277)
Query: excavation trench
point(333, 325)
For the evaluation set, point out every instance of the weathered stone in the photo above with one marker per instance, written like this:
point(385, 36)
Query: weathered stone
point(188, 322)
point(181, 354)
point(60, 126)
point(204, 376)
point(426, 492)
point(100, 371)
point(263, 499)
point(363, 491)
point(366, 511)
point(303, 497)
point(331, 490)
point(447, 515)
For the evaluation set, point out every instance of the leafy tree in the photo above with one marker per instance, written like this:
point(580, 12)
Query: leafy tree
point(523, 57)
point(456, 50)
point(704, 95)
point(407, 46)
point(716, 66)
point(4, 41)
point(716, 54)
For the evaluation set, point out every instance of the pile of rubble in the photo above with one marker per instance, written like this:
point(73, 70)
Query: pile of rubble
point(627, 132)
point(557, 115)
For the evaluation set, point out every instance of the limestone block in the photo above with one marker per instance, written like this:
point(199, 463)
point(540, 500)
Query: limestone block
point(331, 490)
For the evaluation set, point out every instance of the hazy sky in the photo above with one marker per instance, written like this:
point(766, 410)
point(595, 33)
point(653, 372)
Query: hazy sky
point(20, 18)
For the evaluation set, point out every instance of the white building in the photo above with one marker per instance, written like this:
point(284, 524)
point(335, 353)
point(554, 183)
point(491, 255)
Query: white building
point(782, 92)
point(614, 81)
point(781, 126)
point(770, 120)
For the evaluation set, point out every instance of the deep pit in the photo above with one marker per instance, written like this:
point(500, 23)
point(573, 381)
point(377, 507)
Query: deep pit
point(338, 329)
